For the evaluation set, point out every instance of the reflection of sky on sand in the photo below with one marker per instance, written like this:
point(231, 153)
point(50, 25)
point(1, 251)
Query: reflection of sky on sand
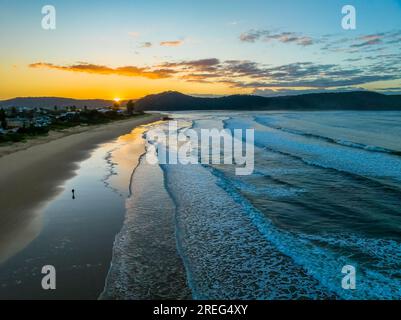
point(76, 235)
point(15, 240)
point(124, 151)
point(130, 148)
point(20, 230)
point(124, 158)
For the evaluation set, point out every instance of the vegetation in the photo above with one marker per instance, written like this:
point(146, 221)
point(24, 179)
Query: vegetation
point(3, 122)
point(60, 121)
point(353, 100)
point(23, 134)
point(130, 107)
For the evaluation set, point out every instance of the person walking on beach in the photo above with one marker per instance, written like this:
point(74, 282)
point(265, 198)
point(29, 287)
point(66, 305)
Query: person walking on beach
point(73, 194)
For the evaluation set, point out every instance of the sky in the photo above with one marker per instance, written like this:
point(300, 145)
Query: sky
point(130, 48)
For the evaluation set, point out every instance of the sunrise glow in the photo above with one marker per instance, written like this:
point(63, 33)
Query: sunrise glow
point(238, 51)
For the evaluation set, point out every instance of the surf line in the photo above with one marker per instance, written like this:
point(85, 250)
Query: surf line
point(216, 146)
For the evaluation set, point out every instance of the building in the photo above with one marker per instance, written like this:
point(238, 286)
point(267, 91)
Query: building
point(43, 121)
point(18, 122)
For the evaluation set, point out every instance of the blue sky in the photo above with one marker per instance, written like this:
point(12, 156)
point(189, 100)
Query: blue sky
point(265, 47)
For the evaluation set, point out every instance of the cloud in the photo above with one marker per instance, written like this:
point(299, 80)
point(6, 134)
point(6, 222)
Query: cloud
point(369, 43)
point(316, 83)
point(204, 65)
point(250, 36)
point(146, 45)
point(129, 71)
point(245, 68)
point(283, 37)
point(250, 74)
point(247, 74)
point(390, 90)
point(175, 43)
point(369, 40)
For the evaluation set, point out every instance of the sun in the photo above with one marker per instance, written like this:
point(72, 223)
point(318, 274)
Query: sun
point(117, 99)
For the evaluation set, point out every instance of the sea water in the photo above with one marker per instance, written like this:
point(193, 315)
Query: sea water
point(325, 193)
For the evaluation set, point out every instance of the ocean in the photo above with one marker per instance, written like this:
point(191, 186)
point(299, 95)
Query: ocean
point(325, 193)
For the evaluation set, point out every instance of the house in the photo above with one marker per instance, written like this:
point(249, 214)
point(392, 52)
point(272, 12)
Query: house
point(43, 121)
point(103, 110)
point(66, 116)
point(18, 122)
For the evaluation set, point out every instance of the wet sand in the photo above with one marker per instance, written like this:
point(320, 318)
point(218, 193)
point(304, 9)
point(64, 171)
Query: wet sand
point(32, 176)
point(81, 235)
point(78, 232)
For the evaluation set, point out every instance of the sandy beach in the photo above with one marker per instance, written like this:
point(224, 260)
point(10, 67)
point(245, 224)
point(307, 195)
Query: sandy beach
point(31, 174)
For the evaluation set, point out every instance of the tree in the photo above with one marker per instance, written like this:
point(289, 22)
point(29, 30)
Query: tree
point(3, 121)
point(130, 107)
point(116, 106)
point(14, 111)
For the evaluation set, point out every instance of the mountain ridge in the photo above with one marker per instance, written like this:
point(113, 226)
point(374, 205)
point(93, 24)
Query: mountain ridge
point(176, 101)
point(355, 100)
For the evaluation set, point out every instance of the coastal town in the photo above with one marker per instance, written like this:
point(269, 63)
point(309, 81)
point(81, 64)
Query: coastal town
point(20, 123)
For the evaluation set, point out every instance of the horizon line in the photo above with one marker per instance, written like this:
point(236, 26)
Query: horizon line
point(205, 95)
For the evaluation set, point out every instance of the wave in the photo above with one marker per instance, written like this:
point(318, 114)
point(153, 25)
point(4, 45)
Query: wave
point(280, 190)
point(230, 249)
point(375, 281)
point(224, 253)
point(354, 161)
point(377, 183)
point(341, 142)
point(145, 262)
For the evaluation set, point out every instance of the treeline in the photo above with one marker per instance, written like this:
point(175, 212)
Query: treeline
point(21, 134)
point(65, 120)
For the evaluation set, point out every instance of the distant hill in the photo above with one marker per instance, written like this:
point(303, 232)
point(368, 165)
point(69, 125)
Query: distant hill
point(356, 100)
point(50, 102)
point(175, 101)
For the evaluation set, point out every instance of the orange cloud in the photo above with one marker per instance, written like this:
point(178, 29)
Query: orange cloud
point(129, 71)
point(175, 43)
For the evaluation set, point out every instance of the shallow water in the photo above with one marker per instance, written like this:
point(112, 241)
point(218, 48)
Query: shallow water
point(146, 264)
point(77, 234)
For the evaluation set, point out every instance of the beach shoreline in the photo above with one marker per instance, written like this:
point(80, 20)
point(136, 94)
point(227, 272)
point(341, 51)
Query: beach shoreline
point(32, 175)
